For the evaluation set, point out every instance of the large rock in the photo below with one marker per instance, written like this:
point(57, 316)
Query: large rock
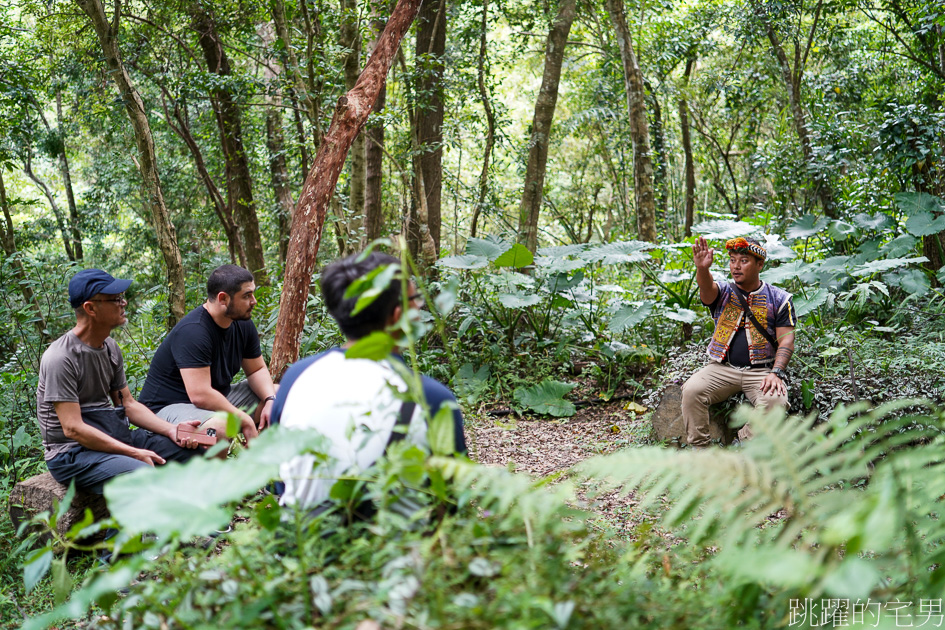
point(668, 421)
point(37, 494)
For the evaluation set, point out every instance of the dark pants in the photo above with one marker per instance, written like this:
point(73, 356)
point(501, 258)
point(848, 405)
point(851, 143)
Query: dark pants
point(92, 469)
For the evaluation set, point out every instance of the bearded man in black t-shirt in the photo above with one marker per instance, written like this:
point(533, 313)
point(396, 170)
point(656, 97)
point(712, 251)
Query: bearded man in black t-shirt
point(191, 373)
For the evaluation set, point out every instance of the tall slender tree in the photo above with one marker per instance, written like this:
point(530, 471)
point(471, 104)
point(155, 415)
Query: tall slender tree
point(644, 194)
point(350, 38)
point(107, 33)
point(374, 155)
point(530, 206)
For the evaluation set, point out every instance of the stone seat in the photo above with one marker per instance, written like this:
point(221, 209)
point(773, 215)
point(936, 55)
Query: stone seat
point(668, 421)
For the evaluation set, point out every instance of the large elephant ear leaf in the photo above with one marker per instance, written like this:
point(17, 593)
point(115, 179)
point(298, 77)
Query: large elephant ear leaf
point(515, 257)
point(547, 397)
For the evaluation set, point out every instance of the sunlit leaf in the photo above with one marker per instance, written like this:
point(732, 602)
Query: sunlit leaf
point(518, 300)
point(841, 230)
point(878, 266)
point(36, 566)
point(441, 431)
point(724, 229)
point(684, 315)
point(873, 222)
point(467, 261)
point(561, 251)
point(376, 346)
point(516, 257)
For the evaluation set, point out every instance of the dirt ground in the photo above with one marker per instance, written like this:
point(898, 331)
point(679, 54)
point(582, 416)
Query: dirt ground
point(540, 446)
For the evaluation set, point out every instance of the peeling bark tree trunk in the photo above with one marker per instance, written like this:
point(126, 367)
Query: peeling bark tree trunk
point(530, 207)
point(639, 128)
point(239, 181)
point(308, 221)
point(690, 168)
point(374, 160)
point(350, 37)
point(792, 77)
point(9, 248)
point(147, 159)
point(490, 122)
point(431, 47)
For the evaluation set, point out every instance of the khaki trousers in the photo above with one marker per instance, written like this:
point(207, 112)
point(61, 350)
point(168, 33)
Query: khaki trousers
point(714, 383)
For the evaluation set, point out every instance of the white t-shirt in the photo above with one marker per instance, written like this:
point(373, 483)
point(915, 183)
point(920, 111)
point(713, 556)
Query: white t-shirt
point(352, 403)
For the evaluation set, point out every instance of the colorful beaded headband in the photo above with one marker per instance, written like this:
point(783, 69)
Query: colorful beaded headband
point(741, 246)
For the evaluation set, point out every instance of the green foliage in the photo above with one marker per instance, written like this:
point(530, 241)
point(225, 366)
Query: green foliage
point(547, 397)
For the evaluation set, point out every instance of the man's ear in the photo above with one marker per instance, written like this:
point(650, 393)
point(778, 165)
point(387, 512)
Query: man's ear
point(223, 298)
point(394, 316)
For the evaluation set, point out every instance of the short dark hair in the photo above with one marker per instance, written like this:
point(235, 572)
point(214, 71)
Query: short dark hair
point(227, 278)
point(338, 276)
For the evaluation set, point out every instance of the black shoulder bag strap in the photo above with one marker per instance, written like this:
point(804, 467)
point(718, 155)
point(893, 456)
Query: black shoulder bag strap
point(399, 431)
point(743, 299)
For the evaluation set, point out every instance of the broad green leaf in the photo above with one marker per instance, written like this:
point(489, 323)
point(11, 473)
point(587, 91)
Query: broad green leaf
point(441, 431)
point(787, 271)
point(562, 282)
point(547, 397)
point(630, 315)
point(66, 501)
point(516, 257)
point(61, 580)
point(873, 222)
point(518, 300)
point(379, 282)
point(682, 315)
point(376, 346)
point(841, 230)
point(489, 247)
point(189, 499)
point(925, 224)
point(445, 300)
point(675, 275)
point(832, 351)
point(914, 282)
point(467, 261)
point(804, 306)
point(558, 265)
point(806, 226)
point(618, 252)
point(784, 568)
point(724, 229)
point(268, 513)
point(878, 266)
point(36, 566)
point(899, 246)
point(470, 382)
point(855, 578)
point(912, 203)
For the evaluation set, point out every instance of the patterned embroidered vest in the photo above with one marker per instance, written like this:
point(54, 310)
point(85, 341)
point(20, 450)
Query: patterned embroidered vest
point(728, 314)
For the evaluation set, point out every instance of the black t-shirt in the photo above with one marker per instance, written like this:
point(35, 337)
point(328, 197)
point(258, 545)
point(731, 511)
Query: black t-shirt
point(197, 342)
point(738, 348)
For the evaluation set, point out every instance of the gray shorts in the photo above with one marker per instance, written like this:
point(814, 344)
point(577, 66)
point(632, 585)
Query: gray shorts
point(240, 396)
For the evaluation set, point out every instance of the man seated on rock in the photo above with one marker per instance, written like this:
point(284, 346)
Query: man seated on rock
point(190, 375)
point(81, 376)
point(747, 353)
point(351, 401)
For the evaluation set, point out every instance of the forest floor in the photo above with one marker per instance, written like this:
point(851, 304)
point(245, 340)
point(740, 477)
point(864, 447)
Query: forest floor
point(540, 447)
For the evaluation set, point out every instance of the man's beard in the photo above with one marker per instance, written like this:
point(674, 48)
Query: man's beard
point(233, 314)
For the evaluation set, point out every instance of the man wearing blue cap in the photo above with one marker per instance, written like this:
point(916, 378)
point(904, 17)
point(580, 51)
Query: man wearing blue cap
point(81, 378)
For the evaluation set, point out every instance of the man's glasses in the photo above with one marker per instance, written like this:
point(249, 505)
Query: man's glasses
point(118, 299)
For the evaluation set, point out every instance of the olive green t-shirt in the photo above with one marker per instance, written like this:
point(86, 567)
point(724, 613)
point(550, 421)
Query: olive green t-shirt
point(72, 371)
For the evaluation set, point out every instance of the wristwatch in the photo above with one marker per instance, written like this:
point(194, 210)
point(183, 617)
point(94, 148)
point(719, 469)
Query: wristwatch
point(267, 399)
point(781, 374)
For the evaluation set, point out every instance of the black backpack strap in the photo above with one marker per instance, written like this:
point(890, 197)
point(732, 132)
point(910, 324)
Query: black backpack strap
point(743, 300)
point(403, 420)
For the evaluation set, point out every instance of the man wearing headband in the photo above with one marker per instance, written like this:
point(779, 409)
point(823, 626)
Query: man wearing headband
point(748, 353)
point(81, 377)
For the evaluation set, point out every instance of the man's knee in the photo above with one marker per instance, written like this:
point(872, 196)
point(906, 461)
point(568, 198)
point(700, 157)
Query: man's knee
point(694, 391)
point(767, 401)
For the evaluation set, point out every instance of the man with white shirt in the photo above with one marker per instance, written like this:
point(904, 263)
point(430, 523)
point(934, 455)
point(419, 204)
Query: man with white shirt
point(352, 402)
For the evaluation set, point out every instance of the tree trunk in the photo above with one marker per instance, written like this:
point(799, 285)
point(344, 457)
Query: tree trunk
point(9, 248)
point(530, 206)
point(428, 114)
point(687, 150)
point(644, 195)
point(57, 211)
point(350, 38)
point(67, 183)
point(147, 159)
point(350, 115)
point(239, 181)
point(275, 144)
point(659, 148)
point(277, 9)
point(792, 77)
point(484, 96)
point(374, 160)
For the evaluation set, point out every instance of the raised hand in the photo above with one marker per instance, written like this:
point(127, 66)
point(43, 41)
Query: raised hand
point(702, 255)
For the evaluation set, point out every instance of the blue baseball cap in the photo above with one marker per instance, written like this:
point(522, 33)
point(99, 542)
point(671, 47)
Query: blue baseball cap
point(89, 282)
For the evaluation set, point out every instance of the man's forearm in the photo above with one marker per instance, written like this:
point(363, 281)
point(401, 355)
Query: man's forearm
point(260, 382)
point(783, 356)
point(144, 418)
